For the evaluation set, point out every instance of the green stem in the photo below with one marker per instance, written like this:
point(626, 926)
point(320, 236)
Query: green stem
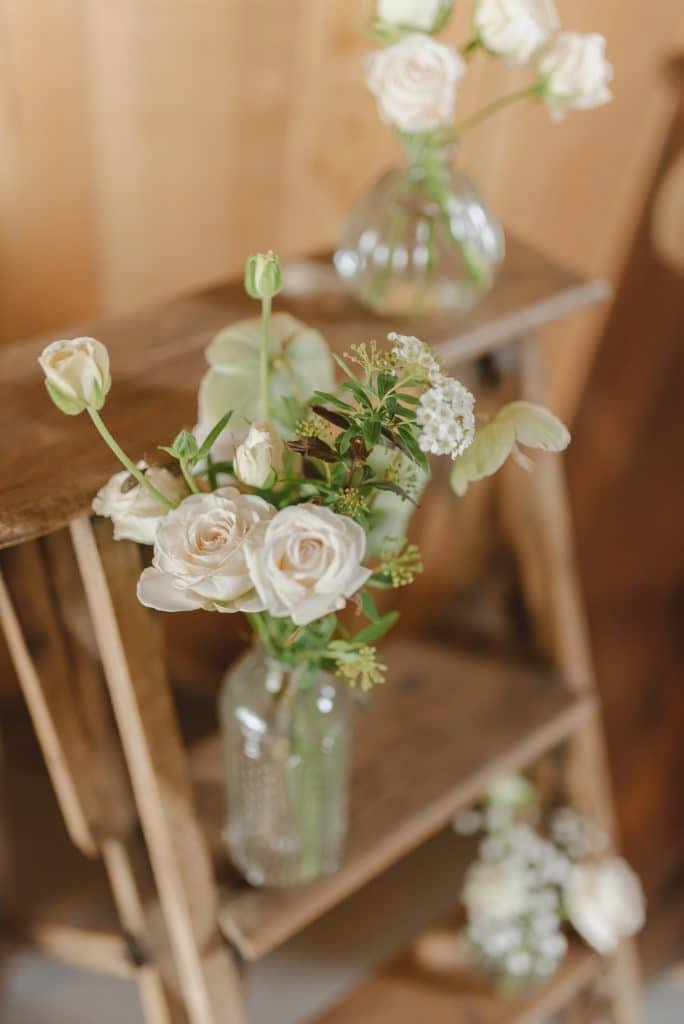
point(265, 352)
point(188, 477)
point(128, 463)
point(470, 48)
point(489, 109)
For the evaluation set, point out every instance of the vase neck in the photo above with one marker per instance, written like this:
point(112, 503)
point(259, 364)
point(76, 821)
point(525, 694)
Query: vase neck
point(428, 156)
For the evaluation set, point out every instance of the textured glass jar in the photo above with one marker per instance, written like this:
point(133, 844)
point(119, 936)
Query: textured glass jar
point(286, 744)
point(422, 240)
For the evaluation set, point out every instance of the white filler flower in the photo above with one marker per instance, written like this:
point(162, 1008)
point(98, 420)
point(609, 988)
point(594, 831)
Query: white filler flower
point(76, 374)
point(446, 417)
point(415, 82)
point(515, 29)
point(134, 511)
point(306, 562)
point(413, 357)
point(422, 15)
point(495, 891)
point(605, 903)
point(199, 555)
point(574, 73)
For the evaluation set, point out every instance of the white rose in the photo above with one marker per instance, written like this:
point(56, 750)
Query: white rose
point(135, 512)
point(495, 891)
point(574, 73)
point(259, 453)
point(199, 555)
point(306, 562)
point(423, 15)
point(415, 82)
point(515, 29)
point(605, 903)
point(76, 374)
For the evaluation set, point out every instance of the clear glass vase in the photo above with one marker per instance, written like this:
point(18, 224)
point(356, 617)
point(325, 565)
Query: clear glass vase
point(422, 240)
point(286, 741)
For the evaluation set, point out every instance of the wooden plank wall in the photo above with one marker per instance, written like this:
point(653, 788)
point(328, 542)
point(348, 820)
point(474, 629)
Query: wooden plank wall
point(146, 147)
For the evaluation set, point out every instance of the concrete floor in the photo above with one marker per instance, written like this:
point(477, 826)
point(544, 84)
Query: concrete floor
point(37, 990)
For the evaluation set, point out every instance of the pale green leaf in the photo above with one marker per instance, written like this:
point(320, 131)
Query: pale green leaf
point(486, 455)
point(535, 426)
point(300, 364)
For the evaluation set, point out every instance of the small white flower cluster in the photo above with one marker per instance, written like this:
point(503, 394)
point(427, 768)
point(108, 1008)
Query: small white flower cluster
point(447, 418)
point(413, 357)
point(516, 925)
point(524, 887)
point(446, 410)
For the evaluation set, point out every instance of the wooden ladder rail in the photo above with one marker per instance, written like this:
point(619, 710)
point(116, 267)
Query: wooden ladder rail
point(66, 701)
point(536, 515)
point(130, 641)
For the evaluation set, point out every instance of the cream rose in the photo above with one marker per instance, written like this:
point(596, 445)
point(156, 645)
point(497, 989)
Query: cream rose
point(199, 555)
point(515, 29)
point(495, 891)
point(574, 73)
point(76, 374)
point(415, 82)
point(422, 15)
point(134, 511)
point(306, 562)
point(260, 452)
point(605, 903)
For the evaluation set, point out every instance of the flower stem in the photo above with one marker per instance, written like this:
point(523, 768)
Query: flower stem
point(124, 459)
point(470, 47)
point(265, 351)
point(188, 477)
point(489, 109)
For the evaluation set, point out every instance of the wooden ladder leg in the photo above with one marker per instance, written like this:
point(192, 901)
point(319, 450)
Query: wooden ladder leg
point(131, 646)
point(66, 704)
point(536, 514)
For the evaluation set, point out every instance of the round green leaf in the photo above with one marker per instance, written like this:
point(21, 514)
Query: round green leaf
point(486, 455)
point(536, 427)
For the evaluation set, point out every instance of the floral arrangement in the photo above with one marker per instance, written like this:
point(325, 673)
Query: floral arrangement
point(532, 878)
point(437, 245)
point(416, 79)
point(284, 506)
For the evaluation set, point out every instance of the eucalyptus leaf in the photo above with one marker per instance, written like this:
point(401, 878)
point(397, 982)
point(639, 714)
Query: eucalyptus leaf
point(300, 364)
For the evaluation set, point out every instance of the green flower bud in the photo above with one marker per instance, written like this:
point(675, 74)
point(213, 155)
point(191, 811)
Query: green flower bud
point(185, 446)
point(263, 275)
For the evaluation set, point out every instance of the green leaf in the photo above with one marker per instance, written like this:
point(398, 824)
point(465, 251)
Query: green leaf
point(369, 607)
point(371, 432)
point(487, 454)
point(386, 382)
point(343, 366)
point(412, 447)
point(213, 436)
point(376, 630)
point(536, 427)
point(327, 396)
point(70, 406)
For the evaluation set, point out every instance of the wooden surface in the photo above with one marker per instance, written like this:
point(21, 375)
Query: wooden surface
point(423, 748)
point(130, 642)
point(177, 137)
point(50, 472)
point(405, 994)
point(627, 491)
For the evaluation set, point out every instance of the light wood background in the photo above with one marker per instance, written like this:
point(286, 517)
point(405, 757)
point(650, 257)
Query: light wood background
point(147, 145)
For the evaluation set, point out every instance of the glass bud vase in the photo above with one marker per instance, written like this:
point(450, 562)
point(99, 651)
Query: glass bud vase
point(286, 742)
point(422, 240)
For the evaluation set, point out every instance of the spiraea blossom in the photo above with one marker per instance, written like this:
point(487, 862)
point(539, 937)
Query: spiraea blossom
point(415, 82)
point(414, 358)
point(447, 419)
